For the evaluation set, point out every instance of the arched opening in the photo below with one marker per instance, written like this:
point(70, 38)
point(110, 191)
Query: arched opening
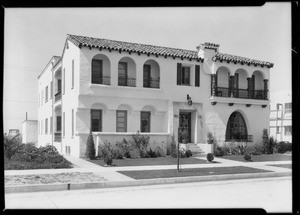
point(222, 82)
point(240, 84)
point(127, 72)
point(100, 70)
point(257, 85)
point(236, 128)
point(151, 74)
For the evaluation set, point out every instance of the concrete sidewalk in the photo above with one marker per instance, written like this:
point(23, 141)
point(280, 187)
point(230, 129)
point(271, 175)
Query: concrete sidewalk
point(116, 179)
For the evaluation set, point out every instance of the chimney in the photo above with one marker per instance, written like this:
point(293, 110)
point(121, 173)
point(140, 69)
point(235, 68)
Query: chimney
point(26, 116)
point(207, 50)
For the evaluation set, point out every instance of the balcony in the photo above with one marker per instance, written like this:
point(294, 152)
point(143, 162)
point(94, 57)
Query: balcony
point(241, 93)
point(240, 138)
point(57, 137)
point(152, 83)
point(126, 81)
point(58, 96)
point(101, 80)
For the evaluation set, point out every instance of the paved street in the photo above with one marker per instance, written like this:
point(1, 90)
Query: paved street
point(271, 194)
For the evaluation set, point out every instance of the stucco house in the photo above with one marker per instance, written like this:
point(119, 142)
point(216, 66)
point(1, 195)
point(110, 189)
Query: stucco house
point(115, 89)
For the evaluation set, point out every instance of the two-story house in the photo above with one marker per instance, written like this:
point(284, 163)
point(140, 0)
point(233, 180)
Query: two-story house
point(115, 89)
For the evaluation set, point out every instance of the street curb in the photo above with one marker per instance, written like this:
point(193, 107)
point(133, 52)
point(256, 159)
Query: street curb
point(143, 182)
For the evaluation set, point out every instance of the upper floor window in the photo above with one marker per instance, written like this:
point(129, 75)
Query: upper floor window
point(46, 94)
point(185, 75)
point(287, 130)
point(122, 74)
point(288, 107)
point(97, 71)
point(121, 121)
point(46, 126)
point(51, 89)
point(96, 120)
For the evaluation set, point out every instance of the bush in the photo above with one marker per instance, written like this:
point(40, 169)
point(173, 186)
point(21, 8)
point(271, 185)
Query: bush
point(11, 145)
point(54, 158)
point(49, 150)
point(218, 152)
point(151, 153)
point(159, 152)
point(125, 146)
point(247, 157)
point(210, 157)
point(242, 149)
point(188, 153)
point(90, 147)
point(258, 148)
point(134, 153)
point(283, 146)
point(173, 148)
point(108, 159)
point(210, 138)
point(141, 141)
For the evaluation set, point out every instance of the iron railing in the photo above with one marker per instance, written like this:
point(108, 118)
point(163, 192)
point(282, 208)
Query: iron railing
point(126, 81)
point(101, 80)
point(240, 138)
point(152, 83)
point(57, 137)
point(240, 93)
point(58, 96)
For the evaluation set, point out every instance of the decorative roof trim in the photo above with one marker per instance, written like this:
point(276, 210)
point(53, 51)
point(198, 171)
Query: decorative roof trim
point(120, 46)
point(242, 60)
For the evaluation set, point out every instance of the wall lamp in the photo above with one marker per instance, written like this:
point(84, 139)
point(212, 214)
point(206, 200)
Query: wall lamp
point(189, 99)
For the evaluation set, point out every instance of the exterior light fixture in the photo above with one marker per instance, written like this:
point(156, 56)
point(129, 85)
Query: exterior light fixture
point(189, 99)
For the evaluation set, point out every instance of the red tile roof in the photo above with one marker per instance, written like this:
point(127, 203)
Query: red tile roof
point(241, 60)
point(132, 47)
point(159, 50)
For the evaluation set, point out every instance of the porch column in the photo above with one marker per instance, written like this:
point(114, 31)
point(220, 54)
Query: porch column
point(231, 80)
point(249, 88)
point(139, 74)
point(213, 85)
point(266, 89)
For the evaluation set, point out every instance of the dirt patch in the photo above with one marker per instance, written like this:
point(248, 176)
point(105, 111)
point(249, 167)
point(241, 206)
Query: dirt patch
point(73, 177)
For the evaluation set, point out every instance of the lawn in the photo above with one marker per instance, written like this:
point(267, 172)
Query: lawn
point(169, 173)
point(152, 161)
point(259, 158)
point(288, 166)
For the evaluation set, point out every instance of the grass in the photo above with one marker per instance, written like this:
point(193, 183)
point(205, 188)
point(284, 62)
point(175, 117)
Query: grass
point(288, 166)
point(169, 173)
point(151, 161)
point(259, 158)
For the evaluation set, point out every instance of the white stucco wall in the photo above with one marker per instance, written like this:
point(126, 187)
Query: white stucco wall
point(30, 132)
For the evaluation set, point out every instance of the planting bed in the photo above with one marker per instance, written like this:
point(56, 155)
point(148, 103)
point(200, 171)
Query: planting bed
point(259, 158)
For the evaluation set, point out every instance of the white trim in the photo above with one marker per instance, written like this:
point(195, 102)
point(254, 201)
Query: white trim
point(239, 100)
point(123, 87)
point(122, 133)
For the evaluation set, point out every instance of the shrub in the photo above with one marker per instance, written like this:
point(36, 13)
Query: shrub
point(242, 149)
point(218, 152)
point(56, 158)
point(40, 159)
point(173, 148)
point(211, 139)
point(125, 146)
point(283, 146)
point(134, 153)
point(151, 153)
point(50, 150)
point(108, 159)
point(210, 157)
point(188, 153)
point(159, 151)
point(258, 148)
point(141, 141)
point(11, 145)
point(247, 157)
point(90, 147)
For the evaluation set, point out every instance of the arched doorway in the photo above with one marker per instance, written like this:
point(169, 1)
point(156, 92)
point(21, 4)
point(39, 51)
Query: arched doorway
point(236, 128)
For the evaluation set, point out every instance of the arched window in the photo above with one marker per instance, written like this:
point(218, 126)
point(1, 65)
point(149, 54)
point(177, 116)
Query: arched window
point(236, 128)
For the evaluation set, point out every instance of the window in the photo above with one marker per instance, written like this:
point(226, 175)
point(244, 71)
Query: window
point(58, 85)
point(72, 74)
point(46, 94)
point(51, 125)
point(96, 120)
point(288, 107)
point(145, 121)
point(97, 73)
point(51, 90)
point(278, 129)
point(72, 122)
point(236, 128)
point(147, 75)
point(185, 75)
point(64, 81)
point(58, 123)
point(121, 121)
point(42, 126)
point(64, 124)
point(287, 130)
point(46, 126)
point(122, 74)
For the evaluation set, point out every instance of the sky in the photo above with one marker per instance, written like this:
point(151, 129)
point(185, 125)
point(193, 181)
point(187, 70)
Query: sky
point(33, 35)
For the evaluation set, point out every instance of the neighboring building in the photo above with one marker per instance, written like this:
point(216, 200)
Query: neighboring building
point(115, 88)
point(30, 132)
point(13, 132)
point(281, 115)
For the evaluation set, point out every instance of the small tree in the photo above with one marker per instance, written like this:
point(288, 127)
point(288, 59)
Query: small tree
point(90, 147)
point(265, 142)
point(11, 145)
point(211, 139)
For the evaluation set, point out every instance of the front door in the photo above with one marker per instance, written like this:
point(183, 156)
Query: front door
point(184, 130)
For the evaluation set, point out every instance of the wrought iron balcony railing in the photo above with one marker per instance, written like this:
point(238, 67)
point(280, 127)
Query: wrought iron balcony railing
point(101, 80)
point(240, 93)
point(126, 81)
point(58, 96)
point(57, 137)
point(152, 83)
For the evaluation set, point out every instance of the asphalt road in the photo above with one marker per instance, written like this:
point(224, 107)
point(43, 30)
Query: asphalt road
point(271, 194)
